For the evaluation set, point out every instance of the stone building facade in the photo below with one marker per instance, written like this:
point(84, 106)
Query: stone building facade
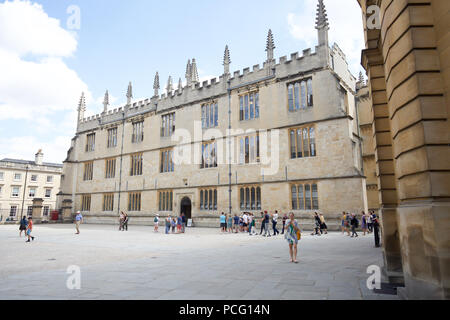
point(407, 58)
point(21, 181)
point(290, 124)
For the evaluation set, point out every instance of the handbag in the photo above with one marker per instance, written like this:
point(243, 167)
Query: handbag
point(299, 235)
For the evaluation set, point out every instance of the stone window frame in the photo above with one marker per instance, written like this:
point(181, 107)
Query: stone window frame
point(254, 93)
point(165, 201)
point(304, 199)
point(16, 209)
point(136, 164)
point(205, 195)
point(17, 179)
point(112, 138)
point(208, 110)
point(88, 174)
point(108, 202)
point(212, 158)
point(166, 164)
point(138, 131)
point(243, 145)
point(45, 211)
point(90, 142)
point(29, 211)
point(167, 124)
point(86, 202)
point(296, 96)
point(51, 179)
point(29, 192)
point(247, 197)
point(50, 194)
point(12, 191)
point(34, 175)
point(134, 201)
point(110, 168)
point(296, 144)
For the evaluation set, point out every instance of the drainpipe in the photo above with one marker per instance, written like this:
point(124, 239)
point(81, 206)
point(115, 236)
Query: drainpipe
point(121, 161)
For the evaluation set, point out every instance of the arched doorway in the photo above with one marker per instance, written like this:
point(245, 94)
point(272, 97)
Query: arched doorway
point(186, 207)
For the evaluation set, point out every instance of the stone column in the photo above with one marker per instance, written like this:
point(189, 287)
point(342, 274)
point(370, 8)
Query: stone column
point(387, 189)
point(37, 210)
point(67, 211)
point(414, 43)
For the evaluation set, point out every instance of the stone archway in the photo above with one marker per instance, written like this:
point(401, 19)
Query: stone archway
point(186, 207)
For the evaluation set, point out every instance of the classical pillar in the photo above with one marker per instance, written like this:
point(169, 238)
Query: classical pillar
point(414, 43)
point(387, 189)
point(67, 211)
point(37, 210)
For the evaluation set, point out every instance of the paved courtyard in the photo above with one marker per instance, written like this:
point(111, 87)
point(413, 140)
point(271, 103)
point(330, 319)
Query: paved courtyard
point(201, 264)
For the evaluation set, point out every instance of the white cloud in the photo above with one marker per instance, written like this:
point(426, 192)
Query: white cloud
point(36, 85)
point(346, 27)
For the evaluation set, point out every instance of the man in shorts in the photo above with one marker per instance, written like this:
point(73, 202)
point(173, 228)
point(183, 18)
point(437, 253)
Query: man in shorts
point(30, 229)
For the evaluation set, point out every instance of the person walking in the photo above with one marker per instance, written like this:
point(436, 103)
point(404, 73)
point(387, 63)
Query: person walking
point(156, 222)
point(364, 222)
point(266, 224)
point(168, 222)
point(343, 218)
point(78, 221)
point(253, 226)
point(376, 231)
point(173, 224)
point(236, 223)
point(369, 222)
point(179, 224)
point(23, 226)
point(250, 221)
point(316, 224)
point(262, 223)
point(230, 223)
point(354, 223)
point(245, 222)
point(125, 222)
point(223, 223)
point(30, 229)
point(183, 222)
point(348, 219)
point(285, 217)
point(121, 219)
point(323, 225)
point(292, 237)
point(274, 223)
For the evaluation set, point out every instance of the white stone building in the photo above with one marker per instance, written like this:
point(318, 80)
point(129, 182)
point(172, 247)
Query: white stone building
point(21, 181)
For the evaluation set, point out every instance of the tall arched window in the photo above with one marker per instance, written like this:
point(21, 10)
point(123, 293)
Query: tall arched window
point(294, 197)
point(253, 199)
point(247, 198)
point(312, 142)
point(201, 199)
point(315, 197)
point(242, 198)
point(291, 97)
point(215, 199)
point(258, 198)
point(301, 201)
point(305, 143)
point(307, 197)
point(303, 88)
point(310, 93)
point(297, 96)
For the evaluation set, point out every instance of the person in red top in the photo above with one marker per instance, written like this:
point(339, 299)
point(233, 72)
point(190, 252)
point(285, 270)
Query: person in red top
point(29, 229)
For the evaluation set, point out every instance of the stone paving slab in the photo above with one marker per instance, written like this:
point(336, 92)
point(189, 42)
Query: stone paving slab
point(201, 264)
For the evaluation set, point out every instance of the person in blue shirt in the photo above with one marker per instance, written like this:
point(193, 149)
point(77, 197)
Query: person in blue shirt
point(23, 225)
point(223, 222)
point(78, 221)
point(236, 223)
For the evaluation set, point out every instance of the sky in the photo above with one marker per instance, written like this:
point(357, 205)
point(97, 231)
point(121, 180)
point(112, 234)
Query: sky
point(51, 51)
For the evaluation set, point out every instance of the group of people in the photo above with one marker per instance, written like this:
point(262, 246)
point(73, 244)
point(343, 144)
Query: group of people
point(176, 224)
point(369, 224)
point(26, 226)
point(320, 226)
point(246, 222)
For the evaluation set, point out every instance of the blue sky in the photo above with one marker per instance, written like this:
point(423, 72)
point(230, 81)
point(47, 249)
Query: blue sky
point(122, 41)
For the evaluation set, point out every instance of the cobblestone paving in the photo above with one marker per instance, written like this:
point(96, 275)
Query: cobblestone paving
point(201, 264)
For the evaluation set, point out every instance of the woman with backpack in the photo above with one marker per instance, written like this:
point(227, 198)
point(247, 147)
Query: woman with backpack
point(156, 221)
point(292, 236)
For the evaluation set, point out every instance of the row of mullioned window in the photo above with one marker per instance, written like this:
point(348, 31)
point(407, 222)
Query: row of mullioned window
point(300, 96)
point(302, 145)
point(33, 177)
point(15, 192)
point(303, 197)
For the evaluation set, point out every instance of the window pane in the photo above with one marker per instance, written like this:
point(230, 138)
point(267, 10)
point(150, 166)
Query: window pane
point(312, 142)
point(247, 198)
point(252, 149)
point(303, 88)
point(210, 205)
point(291, 97)
point(257, 105)
point(201, 199)
point(253, 200)
point(241, 108)
point(241, 153)
point(310, 93)
point(258, 198)
point(216, 115)
point(294, 197)
point(246, 107)
point(315, 197)
point(206, 200)
point(297, 96)
point(301, 202)
point(252, 107)
point(203, 117)
point(293, 150)
point(247, 154)
point(305, 143)
point(241, 197)
point(308, 196)
point(299, 143)
point(164, 201)
point(211, 114)
point(215, 199)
